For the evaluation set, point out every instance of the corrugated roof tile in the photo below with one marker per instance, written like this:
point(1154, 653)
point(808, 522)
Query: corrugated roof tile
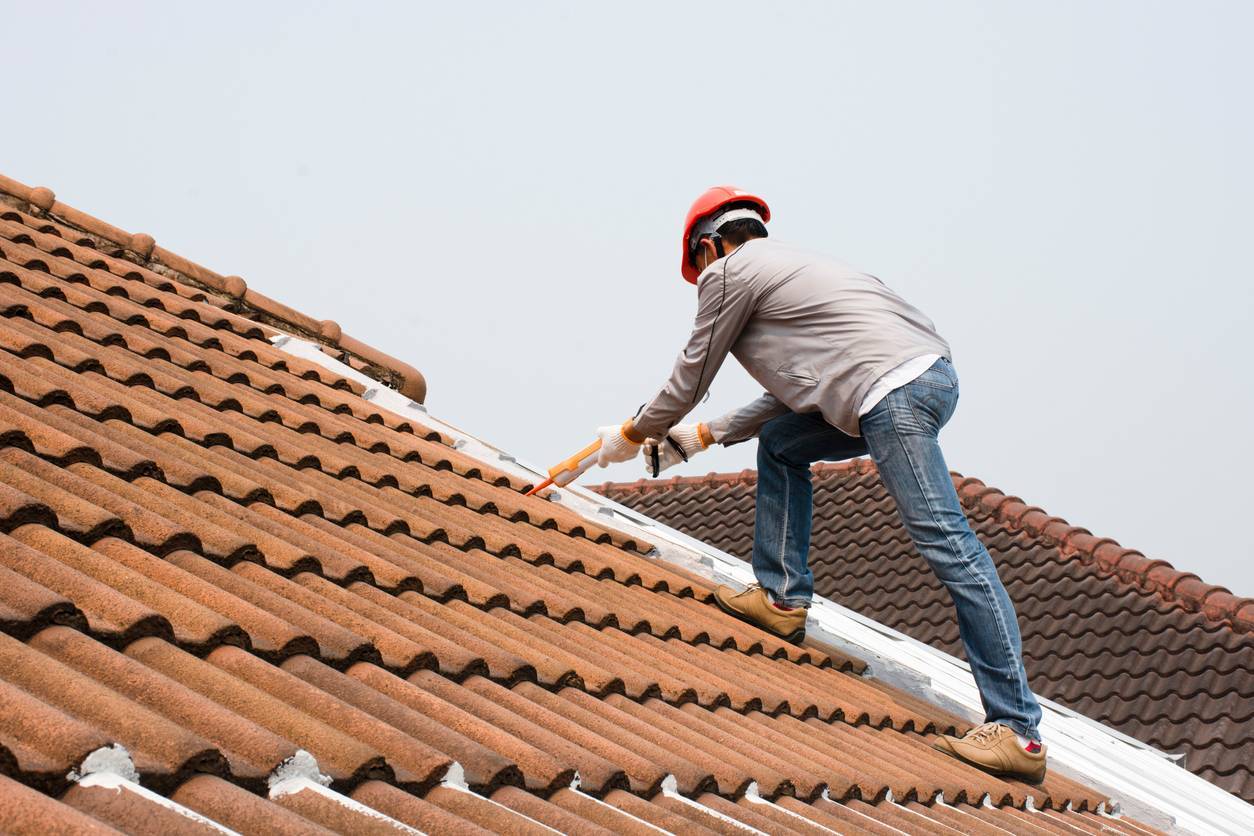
point(166, 749)
point(240, 810)
point(223, 556)
point(26, 812)
point(1132, 642)
point(135, 813)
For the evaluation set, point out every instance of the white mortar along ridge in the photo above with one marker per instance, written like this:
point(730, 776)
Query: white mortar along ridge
point(301, 767)
point(874, 822)
point(574, 786)
point(300, 772)
point(754, 797)
point(111, 768)
point(461, 786)
point(295, 775)
point(1148, 784)
point(670, 789)
point(107, 760)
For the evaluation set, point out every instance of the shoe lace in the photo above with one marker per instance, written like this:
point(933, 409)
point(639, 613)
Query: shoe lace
point(984, 733)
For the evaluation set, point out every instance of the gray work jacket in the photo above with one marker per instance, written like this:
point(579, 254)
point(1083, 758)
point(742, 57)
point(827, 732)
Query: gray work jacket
point(815, 333)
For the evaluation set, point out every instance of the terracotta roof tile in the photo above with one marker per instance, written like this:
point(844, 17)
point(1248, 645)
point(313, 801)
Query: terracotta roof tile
point(40, 743)
point(219, 555)
point(420, 813)
point(656, 815)
point(593, 818)
point(334, 642)
point(166, 749)
point(1157, 653)
point(134, 813)
point(497, 817)
point(328, 811)
point(363, 687)
point(251, 751)
point(26, 811)
point(169, 270)
point(240, 810)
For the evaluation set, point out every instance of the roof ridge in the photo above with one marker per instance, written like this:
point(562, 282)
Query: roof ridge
point(143, 250)
point(1130, 565)
point(1157, 577)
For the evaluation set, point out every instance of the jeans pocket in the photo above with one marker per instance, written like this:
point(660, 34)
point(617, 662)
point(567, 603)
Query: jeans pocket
point(932, 405)
point(938, 378)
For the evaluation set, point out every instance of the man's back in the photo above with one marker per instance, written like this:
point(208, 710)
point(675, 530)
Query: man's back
point(821, 333)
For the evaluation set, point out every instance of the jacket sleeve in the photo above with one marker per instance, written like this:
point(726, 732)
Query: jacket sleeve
point(724, 305)
point(744, 423)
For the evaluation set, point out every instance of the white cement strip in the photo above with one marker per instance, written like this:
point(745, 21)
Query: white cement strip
point(297, 784)
point(670, 789)
point(461, 787)
point(888, 799)
point(756, 799)
point(300, 773)
point(111, 768)
point(574, 786)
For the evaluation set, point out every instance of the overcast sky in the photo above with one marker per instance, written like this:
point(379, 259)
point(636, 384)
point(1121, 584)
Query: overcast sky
point(494, 193)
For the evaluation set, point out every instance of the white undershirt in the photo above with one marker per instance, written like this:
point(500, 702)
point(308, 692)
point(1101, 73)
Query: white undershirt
point(895, 378)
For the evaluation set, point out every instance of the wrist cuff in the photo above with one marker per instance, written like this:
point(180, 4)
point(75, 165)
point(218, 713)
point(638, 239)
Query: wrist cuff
point(704, 434)
point(629, 433)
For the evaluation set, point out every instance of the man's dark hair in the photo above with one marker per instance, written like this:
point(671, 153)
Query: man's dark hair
point(741, 230)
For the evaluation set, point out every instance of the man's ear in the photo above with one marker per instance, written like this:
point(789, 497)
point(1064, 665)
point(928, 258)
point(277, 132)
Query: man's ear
point(709, 250)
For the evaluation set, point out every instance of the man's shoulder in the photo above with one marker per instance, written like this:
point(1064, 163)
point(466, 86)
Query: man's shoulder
point(767, 256)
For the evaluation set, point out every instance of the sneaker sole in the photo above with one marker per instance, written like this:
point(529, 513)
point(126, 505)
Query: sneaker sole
point(1032, 779)
point(795, 637)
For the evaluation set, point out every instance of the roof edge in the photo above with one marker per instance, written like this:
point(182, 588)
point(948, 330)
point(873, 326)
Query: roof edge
point(141, 249)
point(1158, 577)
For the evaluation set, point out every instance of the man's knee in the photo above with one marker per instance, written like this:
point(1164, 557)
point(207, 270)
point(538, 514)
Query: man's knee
point(961, 560)
point(774, 436)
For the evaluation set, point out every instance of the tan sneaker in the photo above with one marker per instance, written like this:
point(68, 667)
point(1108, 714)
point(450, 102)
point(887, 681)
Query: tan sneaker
point(754, 606)
point(994, 748)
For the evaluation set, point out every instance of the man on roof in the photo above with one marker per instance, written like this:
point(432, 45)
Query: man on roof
point(850, 369)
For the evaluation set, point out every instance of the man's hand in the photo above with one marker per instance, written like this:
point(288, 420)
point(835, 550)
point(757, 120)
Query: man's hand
point(615, 446)
point(682, 443)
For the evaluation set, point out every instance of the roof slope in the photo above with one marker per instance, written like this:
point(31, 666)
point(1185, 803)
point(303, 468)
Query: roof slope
point(1153, 652)
point(234, 592)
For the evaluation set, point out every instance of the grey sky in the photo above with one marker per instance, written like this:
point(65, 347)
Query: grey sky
point(493, 192)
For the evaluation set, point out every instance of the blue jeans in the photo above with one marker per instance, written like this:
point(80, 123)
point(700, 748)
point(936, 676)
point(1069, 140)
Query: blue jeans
point(900, 434)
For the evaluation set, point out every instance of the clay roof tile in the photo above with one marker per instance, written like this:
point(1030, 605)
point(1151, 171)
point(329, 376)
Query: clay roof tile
point(1089, 606)
point(232, 562)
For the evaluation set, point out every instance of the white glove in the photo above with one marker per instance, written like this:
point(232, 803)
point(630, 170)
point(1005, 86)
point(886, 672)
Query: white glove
point(615, 446)
point(682, 443)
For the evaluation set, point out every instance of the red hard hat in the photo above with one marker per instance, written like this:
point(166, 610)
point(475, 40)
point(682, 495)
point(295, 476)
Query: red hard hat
point(710, 201)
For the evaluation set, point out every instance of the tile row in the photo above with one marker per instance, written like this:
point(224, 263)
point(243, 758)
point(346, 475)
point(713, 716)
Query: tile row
point(185, 432)
point(1126, 657)
point(238, 716)
point(206, 803)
